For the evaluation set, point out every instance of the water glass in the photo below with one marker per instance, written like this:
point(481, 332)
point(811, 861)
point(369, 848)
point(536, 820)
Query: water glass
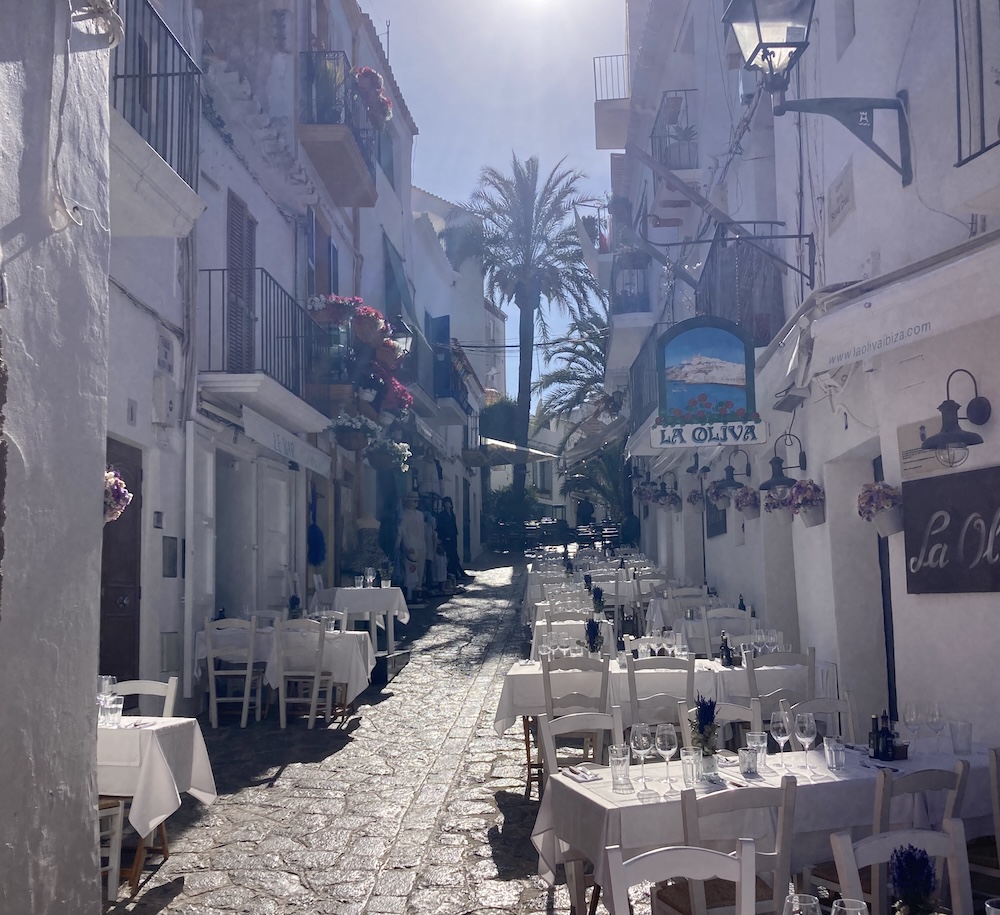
point(757, 740)
point(961, 737)
point(359, 581)
point(748, 761)
point(111, 712)
point(690, 766)
point(801, 904)
point(993, 907)
point(835, 753)
point(618, 757)
point(386, 582)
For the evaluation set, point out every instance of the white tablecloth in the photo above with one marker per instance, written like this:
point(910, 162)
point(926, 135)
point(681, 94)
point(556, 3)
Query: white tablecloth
point(575, 629)
point(588, 817)
point(151, 761)
point(347, 655)
point(381, 606)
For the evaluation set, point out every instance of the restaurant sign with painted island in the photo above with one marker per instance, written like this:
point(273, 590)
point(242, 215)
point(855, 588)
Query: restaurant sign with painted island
point(705, 373)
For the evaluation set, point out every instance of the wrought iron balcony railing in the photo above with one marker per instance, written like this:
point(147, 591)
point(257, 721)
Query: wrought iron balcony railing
point(155, 87)
point(329, 95)
point(674, 138)
point(255, 325)
point(611, 77)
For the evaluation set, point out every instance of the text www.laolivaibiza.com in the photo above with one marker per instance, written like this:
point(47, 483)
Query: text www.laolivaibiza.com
point(871, 347)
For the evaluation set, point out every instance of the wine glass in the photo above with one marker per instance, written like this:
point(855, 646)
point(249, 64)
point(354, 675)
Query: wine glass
point(758, 641)
point(666, 743)
point(779, 731)
point(544, 649)
point(771, 640)
point(849, 907)
point(935, 721)
point(912, 718)
point(801, 904)
point(805, 734)
point(641, 742)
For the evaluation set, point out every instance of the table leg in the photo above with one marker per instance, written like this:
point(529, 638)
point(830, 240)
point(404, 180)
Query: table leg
point(135, 871)
point(390, 632)
point(576, 883)
point(373, 629)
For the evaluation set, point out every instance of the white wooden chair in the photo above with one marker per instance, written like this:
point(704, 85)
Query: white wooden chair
point(233, 665)
point(606, 728)
point(725, 713)
point(889, 786)
point(877, 849)
point(301, 677)
point(983, 853)
point(770, 701)
point(110, 822)
point(167, 690)
point(656, 707)
point(844, 708)
point(698, 897)
point(588, 691)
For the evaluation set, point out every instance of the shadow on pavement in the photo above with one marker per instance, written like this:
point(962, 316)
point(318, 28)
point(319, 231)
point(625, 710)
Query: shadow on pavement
point(513, 854)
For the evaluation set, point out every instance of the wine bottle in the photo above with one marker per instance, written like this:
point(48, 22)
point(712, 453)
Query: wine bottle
point(873, 739)
point(741, 605)
point(886, 745)
point(725, 652)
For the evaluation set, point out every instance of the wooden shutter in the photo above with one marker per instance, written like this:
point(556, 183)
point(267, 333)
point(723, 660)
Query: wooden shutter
point(240, 310)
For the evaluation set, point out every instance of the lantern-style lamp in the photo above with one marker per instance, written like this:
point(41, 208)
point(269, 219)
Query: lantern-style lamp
point(772, 34)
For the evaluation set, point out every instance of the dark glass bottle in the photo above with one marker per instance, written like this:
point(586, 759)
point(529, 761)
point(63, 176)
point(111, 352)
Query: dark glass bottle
point(741, 605)
point(873, 739)
point(378, 579)
point(725, 652)
point(886, 744)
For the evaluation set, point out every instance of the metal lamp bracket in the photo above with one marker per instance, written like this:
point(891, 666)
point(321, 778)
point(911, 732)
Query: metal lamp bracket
point(858, 116)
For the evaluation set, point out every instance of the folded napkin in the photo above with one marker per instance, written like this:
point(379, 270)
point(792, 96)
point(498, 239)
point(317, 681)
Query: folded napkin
point(581, 775)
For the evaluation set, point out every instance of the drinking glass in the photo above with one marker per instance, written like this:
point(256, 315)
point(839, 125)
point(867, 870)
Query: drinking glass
point(758, 641)
point(779, 731)
point(666, 744)
point(912, 718)
point(106, 685)
point(993, 907)
point(544, 648)
point(359, 581)
point(771, 640)
point(564, 644)
point(757, 741)
point(805, 734)
point(642, 745)
point(849, 907)
point(801, 904)
point(935, 720)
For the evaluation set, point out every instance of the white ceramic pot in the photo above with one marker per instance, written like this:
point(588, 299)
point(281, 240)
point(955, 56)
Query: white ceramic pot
point(812, 515)
point(782, 515)
point(889, 522)
point(750, 512)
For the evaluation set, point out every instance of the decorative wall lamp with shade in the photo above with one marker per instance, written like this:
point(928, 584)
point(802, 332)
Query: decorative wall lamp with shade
point(696, 469)
point(403, 337)
point(772, 34)
point(729, 482)
point(780, 482)
point(951, 444)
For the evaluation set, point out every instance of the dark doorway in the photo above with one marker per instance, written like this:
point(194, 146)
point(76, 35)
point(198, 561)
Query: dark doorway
point(890, 644)
point(120, 570)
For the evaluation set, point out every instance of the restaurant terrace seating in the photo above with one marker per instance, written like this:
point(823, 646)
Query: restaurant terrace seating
point(696, 897)
point(983, 853)
point(822, 705)
point(770, 701)
point(167, 690)
point(694, 864)
point(301, 677)
point(877, 849)
point(605, 729)
point(110, 818)
point(230, 662)
point(656, 707)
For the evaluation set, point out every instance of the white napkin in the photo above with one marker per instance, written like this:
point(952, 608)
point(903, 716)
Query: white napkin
point(581, 775)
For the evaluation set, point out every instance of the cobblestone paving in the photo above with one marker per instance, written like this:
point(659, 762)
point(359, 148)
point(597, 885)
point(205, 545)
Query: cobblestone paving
point(415, 806)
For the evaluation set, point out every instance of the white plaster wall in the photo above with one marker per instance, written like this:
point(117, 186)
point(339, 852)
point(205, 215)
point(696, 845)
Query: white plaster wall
point(54, 329)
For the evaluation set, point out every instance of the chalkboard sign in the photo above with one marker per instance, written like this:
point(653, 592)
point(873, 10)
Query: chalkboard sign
point(952, 532)
point(715, 520)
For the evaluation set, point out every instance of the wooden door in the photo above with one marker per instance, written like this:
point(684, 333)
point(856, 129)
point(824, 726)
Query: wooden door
point(120, 572)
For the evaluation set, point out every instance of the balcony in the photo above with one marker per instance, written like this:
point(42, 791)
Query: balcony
point(258, 346)
point(156, 109)
point(417, 373)
point(674, 139)
point(335, 129)
point(611, 101)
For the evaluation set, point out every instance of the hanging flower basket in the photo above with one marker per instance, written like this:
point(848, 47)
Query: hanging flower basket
point(779, 509)
point(889, 522)
point(388, 354)
point(333, 309)
point(807, 499)
point(812, 515)
point(354, 432)
point(696, 500)
point(718, 496)
point(747, 501)
point(368, 325)
point(351, 440)
point(116, 495)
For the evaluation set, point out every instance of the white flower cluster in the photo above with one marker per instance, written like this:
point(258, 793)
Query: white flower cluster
point(357, 424)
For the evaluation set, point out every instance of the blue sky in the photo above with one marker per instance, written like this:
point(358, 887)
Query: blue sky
point(485, 77)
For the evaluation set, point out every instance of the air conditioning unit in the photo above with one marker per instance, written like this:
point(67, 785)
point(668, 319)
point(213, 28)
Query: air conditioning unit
point(166, 404)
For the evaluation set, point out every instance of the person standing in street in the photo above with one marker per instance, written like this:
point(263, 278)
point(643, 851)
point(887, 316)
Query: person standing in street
point(447, 531)
point(585, 513)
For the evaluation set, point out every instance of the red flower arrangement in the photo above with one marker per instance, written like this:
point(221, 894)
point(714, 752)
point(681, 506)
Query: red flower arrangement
point(369, 325)
point(371, 89)
point(397, 399)
point(337, 309)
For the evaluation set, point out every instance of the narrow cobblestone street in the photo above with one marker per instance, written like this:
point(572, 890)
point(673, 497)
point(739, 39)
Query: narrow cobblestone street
point(415, 806)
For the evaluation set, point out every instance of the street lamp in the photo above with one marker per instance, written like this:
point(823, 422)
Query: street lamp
point(951, 444)
point(403, 337)
point(772, 34)
point(780, 482)
point(729, 482)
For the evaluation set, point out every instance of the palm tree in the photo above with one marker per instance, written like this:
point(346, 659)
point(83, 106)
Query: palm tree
point(530, 252)
point(574, 390)
point(601, 477)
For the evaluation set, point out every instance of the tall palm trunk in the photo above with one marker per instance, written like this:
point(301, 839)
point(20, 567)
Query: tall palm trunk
point(527, 300)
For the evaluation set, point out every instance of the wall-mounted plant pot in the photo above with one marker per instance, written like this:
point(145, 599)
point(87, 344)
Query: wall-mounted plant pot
point(889, 522)
point(782, 515)
point(675, 508)
point(699, 508)
point(352, 439)
point(722, 503)
point(750, 513)
point(812, 515)
point(380, 461)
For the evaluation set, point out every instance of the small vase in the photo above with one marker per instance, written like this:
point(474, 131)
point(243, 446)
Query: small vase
point(812, 515)
point(889, 522)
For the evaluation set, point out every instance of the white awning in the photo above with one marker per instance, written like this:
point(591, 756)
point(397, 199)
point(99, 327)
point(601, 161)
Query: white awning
point(596, 434)
point(499, 453)
point(944, 292)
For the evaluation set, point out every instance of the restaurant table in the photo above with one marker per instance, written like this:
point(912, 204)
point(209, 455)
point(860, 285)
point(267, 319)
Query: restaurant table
point(581, 819)
point(347, 655)
point(375, 604)
point(522, 693)
point(575, 629)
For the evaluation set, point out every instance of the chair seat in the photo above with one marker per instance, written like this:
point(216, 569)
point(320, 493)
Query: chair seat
point(983, 854)
point(719, 894)
point(825, 874)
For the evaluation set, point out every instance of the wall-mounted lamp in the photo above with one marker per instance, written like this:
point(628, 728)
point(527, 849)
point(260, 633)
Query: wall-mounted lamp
point(696, 469)
point(780, 482)
point(401, 334)
point(951, 444)
point(772, 34)
point(674, 475)
point(729, 481)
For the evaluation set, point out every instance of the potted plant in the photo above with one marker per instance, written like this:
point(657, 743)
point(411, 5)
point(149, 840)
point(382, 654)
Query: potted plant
point(696, 500)
point(911, 873)
point(808, 500)
point(630, 257)
point(333, 309)
point(354, 432)
point(747, 501)
point(882, 503)
point(116, 495)
point(386, 454)
point(370, 387)
point(682, 150)
point(780, 509)
point(705, 735)
point(368, 325)
point(670, 500)
point(717, 494)
point(397, 399)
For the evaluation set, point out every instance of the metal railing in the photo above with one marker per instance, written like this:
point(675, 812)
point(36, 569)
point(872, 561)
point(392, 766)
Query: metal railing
point(673, 139)
point(977, 93)
point(329, 95)
point(629, 293)
point(255, 325)
point(155, 87)
point(611, 78)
